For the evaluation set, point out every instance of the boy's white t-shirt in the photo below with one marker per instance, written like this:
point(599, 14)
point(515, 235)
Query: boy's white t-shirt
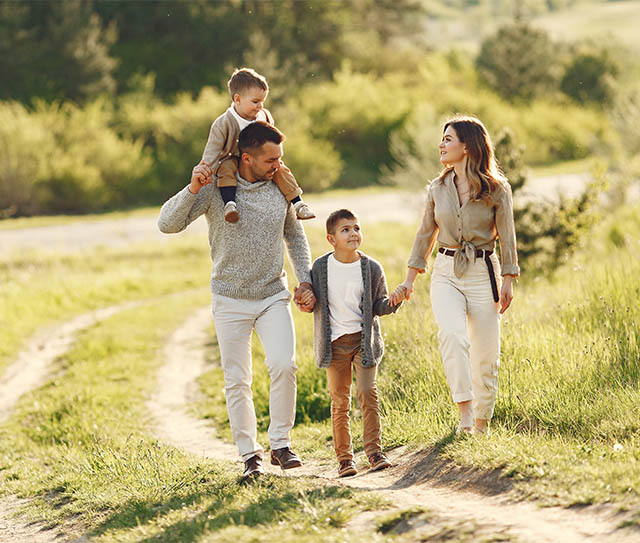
point(242, 122)
point(345, 286)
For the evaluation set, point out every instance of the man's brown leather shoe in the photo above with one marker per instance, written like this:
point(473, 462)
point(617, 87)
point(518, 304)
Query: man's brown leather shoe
point(285, 458)
point(252, 467)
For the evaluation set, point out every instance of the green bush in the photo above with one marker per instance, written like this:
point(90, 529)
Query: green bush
point(357, 113)
point(517, 61)
point(175, 134)
point(315, 162)
point(61, 158)
point(590, 77)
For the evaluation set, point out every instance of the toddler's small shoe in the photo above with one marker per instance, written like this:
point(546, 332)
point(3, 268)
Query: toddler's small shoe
point(231, 212)
point(347, 468)
point(303, 211)
point(378, 461)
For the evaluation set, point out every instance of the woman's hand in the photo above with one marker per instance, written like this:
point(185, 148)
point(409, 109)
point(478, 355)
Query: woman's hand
point(506, 293)
point(402, 292)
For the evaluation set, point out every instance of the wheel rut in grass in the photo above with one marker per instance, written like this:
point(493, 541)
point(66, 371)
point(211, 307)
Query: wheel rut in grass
point(28, 372)
point(417, 479)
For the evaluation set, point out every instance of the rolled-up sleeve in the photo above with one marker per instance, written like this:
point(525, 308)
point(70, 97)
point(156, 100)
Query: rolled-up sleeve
point(507, 232)
point(426, 235)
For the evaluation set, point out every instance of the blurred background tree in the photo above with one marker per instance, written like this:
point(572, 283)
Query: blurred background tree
point(518, 61)
point(55, 51)
point(108, 104)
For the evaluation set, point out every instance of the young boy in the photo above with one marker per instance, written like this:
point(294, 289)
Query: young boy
point(248, 91)
point(351, 292)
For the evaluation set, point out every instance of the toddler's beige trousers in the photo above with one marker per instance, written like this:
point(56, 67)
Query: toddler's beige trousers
point(234, 320)
point(468, 331)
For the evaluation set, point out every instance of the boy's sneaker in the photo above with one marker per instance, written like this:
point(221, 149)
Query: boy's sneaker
point(378, 461)
point(285, 458)
point(303, 211)
point(231, 212)
point(347, 468)
point(252, 467)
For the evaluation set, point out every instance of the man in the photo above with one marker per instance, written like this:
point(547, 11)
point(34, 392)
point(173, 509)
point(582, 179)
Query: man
point(249, 287)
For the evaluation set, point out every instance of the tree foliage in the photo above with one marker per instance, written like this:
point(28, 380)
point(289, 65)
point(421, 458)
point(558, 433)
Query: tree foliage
point(54, 50)
point(590, 77)
point(79, 48)
point(517, 61)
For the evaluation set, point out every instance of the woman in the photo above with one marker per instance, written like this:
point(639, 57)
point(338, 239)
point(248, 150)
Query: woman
point(467, 207)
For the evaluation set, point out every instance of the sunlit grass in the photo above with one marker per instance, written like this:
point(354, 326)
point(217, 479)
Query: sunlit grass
point(567, 418)
point(566, 428)
point(81, 447)
point(38, 289)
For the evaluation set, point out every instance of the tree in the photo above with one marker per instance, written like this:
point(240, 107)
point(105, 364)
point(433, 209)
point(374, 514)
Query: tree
point(589, 77)
point(547, 231)
point(54, 50)
point(518, 61)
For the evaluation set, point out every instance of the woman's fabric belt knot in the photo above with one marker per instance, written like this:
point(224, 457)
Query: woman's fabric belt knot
point(466, 253)
point(463, 255)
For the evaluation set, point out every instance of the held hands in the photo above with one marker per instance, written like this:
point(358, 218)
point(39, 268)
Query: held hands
point(402, 292)
point(201, 175)
point(304, 297)
point(506, 293)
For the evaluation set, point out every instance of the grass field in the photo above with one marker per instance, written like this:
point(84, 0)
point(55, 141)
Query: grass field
point(567, 425)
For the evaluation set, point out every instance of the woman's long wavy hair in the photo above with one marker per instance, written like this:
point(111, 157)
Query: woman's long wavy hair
point(482, 169)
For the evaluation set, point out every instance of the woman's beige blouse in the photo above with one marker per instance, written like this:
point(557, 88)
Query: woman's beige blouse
point(473, 226)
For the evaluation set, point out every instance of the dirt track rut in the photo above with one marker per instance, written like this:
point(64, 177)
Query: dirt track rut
point(408, 484)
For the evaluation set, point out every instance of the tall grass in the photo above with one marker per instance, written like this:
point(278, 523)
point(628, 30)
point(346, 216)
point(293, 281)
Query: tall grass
point(569, 377)
point(81, 446)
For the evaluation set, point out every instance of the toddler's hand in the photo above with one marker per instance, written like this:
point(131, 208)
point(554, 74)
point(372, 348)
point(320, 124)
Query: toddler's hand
point(201, 175)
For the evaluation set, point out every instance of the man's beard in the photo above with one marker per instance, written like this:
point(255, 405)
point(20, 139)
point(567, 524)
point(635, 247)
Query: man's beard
point(263, 177)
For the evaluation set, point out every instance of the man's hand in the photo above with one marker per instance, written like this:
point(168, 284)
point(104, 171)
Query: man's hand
point(201, 175)
point(304, 297)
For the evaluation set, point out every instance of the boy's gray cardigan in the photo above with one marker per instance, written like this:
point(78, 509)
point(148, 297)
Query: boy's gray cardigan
point(375, 302)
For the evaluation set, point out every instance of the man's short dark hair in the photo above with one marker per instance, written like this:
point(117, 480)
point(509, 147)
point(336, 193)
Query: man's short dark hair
point(254, 136)
point(332, 220)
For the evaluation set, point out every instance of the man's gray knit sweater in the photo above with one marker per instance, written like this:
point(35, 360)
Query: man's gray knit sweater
point(247, 256)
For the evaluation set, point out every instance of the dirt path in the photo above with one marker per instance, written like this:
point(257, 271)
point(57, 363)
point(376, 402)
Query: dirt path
point(417, 479)
point(393, 205)
point(28, 372)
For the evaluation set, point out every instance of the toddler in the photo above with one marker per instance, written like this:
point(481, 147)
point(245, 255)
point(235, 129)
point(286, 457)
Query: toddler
point(248, 91)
